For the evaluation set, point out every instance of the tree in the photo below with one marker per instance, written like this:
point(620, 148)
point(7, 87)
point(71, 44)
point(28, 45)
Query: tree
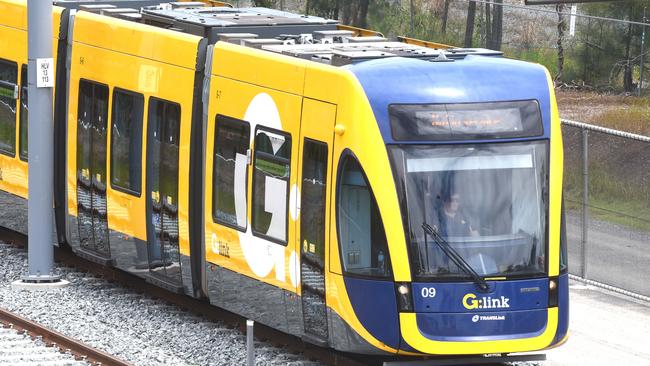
point(493, 26)
point(323, 8)
point(264, 3)
point(611, 50)
point(469, 27)
point(488, 25)
point(561, 28)
point(355, 12)
point(628, 85)
point(497, 25)
point(445, 16)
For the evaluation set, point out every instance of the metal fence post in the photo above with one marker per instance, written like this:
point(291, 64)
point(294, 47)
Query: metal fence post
point(642, 51)
point(585, 197)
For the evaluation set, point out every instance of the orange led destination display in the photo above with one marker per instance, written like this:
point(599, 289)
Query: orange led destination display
point(465, 121)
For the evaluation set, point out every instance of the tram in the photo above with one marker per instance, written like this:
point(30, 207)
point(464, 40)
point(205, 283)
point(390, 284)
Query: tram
point(375, 196)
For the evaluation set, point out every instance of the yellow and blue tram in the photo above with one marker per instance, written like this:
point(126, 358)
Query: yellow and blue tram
point(373, 196)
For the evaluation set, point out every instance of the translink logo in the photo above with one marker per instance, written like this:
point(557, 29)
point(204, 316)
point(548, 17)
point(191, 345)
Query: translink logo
point(470, 302)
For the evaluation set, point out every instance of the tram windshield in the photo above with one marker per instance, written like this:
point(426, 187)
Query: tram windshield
point(487, 201)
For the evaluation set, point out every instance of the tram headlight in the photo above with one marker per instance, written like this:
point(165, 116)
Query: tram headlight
point(552, 292)
point(403, 289)
point(404, 298)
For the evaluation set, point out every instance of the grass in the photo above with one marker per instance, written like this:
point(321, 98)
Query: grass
point(621, 112)
point(634, 117)
point(611, 198)
point(618, 192)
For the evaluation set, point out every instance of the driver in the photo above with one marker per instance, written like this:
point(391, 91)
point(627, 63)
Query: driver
point(451, 219)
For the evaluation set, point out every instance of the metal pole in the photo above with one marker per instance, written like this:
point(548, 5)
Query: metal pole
point(642, 51)
point(585, 198)
point(41, 143)
point(250, 347)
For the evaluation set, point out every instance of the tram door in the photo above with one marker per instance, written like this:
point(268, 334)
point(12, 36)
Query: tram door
point(316, 137)
point(163, 134)
point(92, 119)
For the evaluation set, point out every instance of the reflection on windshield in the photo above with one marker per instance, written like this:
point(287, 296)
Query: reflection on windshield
point(488, 201)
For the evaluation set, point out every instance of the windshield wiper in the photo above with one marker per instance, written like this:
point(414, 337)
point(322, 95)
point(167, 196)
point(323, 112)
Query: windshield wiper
point(481, 284)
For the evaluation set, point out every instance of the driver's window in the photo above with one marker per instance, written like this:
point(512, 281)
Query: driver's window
point(364, 248)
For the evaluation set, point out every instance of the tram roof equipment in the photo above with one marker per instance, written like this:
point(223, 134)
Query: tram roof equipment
point(303, 36)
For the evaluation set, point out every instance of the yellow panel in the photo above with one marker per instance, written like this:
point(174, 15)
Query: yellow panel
point(363, 138)
point(218, 3)
point(412, 336)
point(422, 43)
point(264, 68)
point(13, 47)
point(150, 78)
point(555, 179)
point(359, 32)
point(136, 39)
point(13, 13)
point(326, 83)
point(318, 120)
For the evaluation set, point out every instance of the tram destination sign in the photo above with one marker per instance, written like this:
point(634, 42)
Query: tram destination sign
point(412, 122)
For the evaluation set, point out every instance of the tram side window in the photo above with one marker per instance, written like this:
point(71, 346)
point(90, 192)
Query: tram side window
point(92, 114)
point(271, 172)
point(364, 249)
point(312, 200)
point(230, 169)
point(126, 141)
point(8, 99)
point(22, 143)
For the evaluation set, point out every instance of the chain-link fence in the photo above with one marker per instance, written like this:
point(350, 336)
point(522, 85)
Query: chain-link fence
point(607, 198)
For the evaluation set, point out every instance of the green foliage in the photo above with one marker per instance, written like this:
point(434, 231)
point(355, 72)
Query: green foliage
point(611, 198)
point(265, 3)
point(323, 8)
point(394, 19)
point(603, 48)
point(546, 57)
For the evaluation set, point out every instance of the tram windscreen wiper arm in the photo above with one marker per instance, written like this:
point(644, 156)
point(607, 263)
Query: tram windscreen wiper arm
point(455, 257)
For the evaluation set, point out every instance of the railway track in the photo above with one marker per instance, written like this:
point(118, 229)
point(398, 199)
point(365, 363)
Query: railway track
point(318, 355)
point(78, 350)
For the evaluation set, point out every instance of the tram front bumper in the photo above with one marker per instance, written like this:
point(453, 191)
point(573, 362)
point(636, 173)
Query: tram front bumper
point(479, 333)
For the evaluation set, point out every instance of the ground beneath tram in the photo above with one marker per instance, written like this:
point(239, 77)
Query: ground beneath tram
point(605, 329)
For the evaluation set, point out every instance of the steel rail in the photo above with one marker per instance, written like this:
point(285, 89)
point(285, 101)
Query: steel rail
point(64, 343)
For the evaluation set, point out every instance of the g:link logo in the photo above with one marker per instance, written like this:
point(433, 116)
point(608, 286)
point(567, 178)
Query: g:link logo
point(470, 302)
